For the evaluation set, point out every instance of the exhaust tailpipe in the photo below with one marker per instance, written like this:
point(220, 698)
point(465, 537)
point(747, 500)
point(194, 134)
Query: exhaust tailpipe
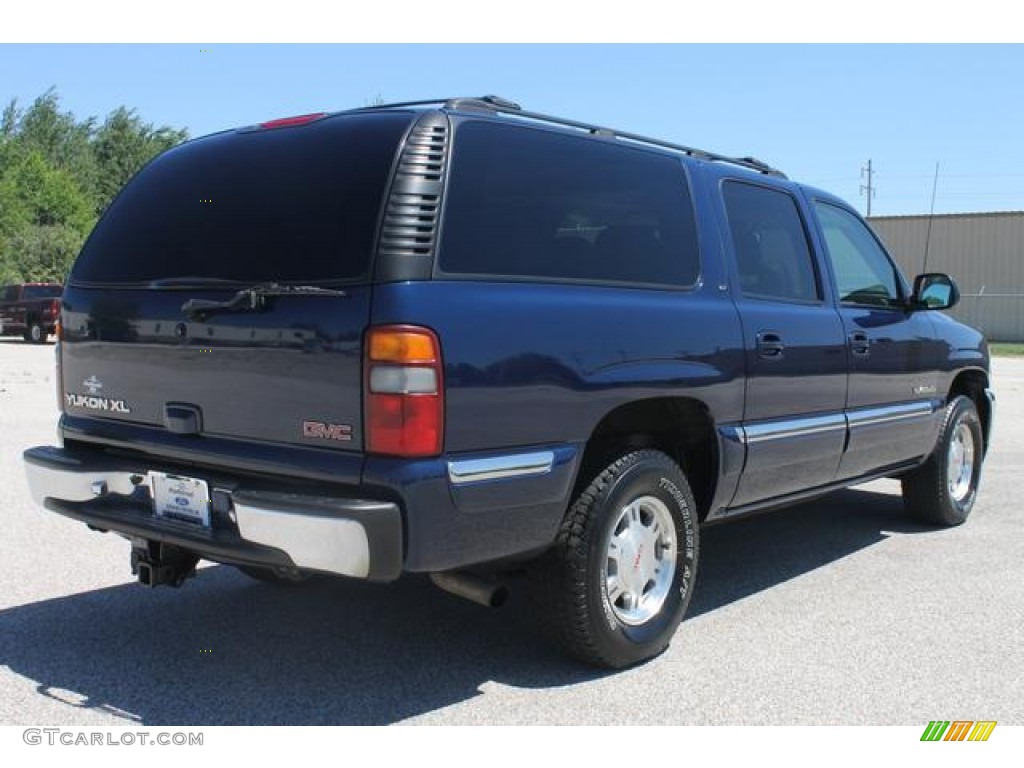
point(490, 594)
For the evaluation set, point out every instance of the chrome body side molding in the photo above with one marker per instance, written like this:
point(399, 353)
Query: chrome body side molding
point(467, 471)
point(862, 417)
point(784, 429)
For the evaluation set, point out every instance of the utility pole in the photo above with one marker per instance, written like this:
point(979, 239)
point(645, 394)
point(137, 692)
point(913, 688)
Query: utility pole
point(869, 187)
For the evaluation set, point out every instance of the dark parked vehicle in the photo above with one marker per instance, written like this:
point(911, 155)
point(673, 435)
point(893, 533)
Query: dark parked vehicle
point(30, 310)
point(464, 339)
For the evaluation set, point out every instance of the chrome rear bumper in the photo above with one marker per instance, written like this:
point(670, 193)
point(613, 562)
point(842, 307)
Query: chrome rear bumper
point(345, 536)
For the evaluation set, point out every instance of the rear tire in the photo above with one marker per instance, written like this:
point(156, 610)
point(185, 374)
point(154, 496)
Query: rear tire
point(942, 491)
point(35, 333)
point(615, 585)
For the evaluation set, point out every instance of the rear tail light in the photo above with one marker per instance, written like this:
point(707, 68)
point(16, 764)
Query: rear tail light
point(404, 391)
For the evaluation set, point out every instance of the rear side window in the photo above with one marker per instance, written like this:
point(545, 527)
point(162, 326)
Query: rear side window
point(524, 202)
point(296, 205)
point(770, 243)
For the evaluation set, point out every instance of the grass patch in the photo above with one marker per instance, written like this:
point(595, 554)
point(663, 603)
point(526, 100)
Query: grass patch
point(1005, 349)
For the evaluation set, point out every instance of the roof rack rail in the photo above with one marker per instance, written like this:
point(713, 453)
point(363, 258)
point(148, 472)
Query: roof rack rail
point(497, 104)
point(490, 102)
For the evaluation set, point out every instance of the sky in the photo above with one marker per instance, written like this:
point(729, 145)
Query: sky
point(817, 112)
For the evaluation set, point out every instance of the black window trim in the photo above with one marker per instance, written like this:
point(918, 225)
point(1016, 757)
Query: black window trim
point(733, 270)
point(439, 274)
point(901, 281)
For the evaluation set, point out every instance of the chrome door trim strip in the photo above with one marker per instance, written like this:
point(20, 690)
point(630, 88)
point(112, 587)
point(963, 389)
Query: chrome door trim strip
point(864, 417)
point(805, 426)
point(789, 428)
point(500, 467)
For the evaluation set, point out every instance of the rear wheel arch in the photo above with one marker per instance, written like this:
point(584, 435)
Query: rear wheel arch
point(680, 427)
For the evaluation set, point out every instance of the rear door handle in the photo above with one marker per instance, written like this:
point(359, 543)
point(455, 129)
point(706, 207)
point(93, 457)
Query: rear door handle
point(769, 344)
point(860, 343)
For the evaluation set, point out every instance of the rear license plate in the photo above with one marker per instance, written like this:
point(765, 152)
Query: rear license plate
point(180, 498)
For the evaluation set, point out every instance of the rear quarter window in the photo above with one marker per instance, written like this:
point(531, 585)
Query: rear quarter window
point(530, 203)
point(297, 204)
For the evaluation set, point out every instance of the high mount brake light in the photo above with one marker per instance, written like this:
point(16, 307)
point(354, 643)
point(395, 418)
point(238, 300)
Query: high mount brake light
point(404, 391)
point(288, 122)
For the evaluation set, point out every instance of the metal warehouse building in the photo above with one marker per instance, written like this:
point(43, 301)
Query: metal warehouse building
point(984, 252)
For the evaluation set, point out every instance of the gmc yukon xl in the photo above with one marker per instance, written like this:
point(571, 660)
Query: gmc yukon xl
point(464, 339)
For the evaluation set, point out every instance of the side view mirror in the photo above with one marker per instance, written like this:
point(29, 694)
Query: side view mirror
point(934, 290)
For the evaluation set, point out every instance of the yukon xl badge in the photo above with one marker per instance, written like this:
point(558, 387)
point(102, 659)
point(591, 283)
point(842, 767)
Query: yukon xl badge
point(326, 431)
point(93, 401)
point(97, 403)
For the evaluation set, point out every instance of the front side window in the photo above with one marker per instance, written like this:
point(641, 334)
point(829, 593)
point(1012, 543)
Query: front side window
point(864, 273)
point(525, 202)
point(770, 243)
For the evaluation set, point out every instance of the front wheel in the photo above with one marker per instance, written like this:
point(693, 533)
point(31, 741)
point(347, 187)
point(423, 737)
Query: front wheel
point(943, 489)
point(619, 578)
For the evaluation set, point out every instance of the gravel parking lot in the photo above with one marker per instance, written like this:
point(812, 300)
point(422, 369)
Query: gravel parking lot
point(838, 611)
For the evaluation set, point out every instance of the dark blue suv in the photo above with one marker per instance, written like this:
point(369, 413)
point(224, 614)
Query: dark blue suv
point(464, 339)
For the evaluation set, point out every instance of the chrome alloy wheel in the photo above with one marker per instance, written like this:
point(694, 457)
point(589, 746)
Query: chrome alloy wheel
point(960, 462)
point(640, 561)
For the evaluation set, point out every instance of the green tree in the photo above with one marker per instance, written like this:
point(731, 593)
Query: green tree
point(45, 252)
point(123, 144)
point(57, 174)
point(45, 217)
point(63, 141)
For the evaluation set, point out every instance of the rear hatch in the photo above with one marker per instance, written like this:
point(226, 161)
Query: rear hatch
point(226, 290)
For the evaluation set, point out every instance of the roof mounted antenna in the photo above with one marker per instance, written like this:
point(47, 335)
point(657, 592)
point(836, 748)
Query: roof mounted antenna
point(931, 216)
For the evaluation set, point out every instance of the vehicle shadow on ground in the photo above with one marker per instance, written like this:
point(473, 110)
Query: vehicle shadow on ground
point(225, 650)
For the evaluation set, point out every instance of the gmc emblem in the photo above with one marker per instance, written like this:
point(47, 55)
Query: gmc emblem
point(323, 431)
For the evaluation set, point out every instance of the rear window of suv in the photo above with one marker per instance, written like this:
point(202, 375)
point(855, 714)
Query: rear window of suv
point(297, 205)
point(530, 203)
point(42, 292)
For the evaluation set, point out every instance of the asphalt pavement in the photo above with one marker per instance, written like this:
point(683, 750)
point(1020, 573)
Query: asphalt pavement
point(838, 611)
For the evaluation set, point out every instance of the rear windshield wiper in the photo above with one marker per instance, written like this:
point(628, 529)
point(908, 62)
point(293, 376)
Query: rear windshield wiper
point(253, 299)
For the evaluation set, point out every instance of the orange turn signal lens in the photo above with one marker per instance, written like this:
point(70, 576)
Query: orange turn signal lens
point(395, 345)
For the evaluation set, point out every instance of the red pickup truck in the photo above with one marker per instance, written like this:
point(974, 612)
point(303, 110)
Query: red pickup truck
point(30, 310)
